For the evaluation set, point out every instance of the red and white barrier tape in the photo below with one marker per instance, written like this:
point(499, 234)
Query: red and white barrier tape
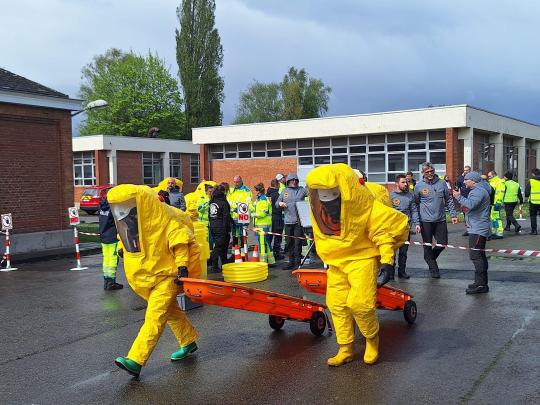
point(507, 252)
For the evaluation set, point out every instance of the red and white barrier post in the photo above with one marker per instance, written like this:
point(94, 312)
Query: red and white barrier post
point(244, 218)
point(74, 221)
point(7, 224)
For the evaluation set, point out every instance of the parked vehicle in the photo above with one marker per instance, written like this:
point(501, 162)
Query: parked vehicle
point(91, 197)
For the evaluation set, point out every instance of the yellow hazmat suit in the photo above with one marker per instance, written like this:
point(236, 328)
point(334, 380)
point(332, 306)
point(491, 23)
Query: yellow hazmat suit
point(380, 192)
point(163, 185)
point(156, 242)
point(192, 199)
point(362, 234)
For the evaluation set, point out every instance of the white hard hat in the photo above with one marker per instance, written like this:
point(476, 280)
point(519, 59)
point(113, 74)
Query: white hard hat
point(279, 176)
point(329, 194)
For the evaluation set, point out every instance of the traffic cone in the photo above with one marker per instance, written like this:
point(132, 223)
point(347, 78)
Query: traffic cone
point(237, 257)
point(255, 256)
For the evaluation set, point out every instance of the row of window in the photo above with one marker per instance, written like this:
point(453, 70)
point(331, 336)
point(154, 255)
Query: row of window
point(84, 168)
point(426, 140)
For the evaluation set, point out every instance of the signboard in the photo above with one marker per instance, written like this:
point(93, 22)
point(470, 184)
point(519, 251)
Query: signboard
point(7, 222)
point(304, 216)
point(243, 213)
point(73, 216)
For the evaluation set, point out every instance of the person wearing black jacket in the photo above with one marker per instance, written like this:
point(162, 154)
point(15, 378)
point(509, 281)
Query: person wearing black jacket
point(109, 245)
point(277, 219)
point(220, 223)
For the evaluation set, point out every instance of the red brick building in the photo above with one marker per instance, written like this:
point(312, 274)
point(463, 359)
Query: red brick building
point(102, 159)
point(36, 181)
point(381, 144)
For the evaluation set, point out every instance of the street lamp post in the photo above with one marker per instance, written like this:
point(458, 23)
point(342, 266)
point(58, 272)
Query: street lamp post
point(93, 105)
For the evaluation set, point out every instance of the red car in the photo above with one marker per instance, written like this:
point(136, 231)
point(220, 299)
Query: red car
point(91, 197)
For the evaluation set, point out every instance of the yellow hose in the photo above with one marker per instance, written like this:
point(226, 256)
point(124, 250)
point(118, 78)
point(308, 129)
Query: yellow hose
point(245, 272)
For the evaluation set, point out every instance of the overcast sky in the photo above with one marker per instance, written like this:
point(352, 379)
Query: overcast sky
point(376, 55)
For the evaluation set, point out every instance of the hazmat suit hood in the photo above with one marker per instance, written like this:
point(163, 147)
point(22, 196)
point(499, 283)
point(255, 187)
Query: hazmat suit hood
point(380, 192)
point(193, 197)
point(162, 230)
point(365, 223)
point(164, 184)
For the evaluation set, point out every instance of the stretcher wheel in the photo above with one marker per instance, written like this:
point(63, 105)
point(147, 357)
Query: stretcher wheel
point(409, 312)
point(276, 322)
point(317, 323)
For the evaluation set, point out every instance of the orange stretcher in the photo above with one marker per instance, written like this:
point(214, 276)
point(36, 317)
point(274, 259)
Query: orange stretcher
point(279, 307)
point(389, 298)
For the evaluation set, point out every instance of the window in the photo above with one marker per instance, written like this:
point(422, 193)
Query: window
point(305, 161)
point(396, 147)
point(194, 168)
point(84, 169)
point(358, 162)
point(437, 158)
point(372, 139)
point(376, 148)
point(322, 160)
point(510, 159)
point(414, 163)
point(357, 149)
point(396, 162)
point(416, 136)
point(340, 159)
point(175, 165)
point(152, 168)
point(274, 153)
point(437, 135)
point(437, 145)
point(376, 163)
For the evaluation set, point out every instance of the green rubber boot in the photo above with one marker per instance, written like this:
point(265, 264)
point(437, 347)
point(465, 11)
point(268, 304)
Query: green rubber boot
point(129, 365)
point(184, 351)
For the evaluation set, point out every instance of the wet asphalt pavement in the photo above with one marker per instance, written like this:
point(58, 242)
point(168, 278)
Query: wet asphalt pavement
point(60, 333)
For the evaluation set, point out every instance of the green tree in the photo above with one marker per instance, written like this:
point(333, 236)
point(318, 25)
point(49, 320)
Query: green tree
point(303, 96)
point(200, 55)
point(297, 96)
point(140, 91)
point(260, 103)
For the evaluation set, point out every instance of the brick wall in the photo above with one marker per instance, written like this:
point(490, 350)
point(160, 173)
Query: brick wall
point(129, 167)
point(101, 168)
point(252, 171)
point(186, 173)
point(454, 154)
point(36, 169)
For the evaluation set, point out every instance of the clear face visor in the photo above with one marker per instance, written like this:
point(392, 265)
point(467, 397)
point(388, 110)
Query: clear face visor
point(326, 208)
point(125, 217)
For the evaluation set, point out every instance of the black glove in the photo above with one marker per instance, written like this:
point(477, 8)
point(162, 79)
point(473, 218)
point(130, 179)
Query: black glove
point(385, 271)
point(182, 272)
point(120, 253)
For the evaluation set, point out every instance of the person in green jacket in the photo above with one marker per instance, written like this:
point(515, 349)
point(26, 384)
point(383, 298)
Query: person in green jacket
point(511, 197)
point(202, 209)
point(497, 184)
point(239, 193)
point(261, 211)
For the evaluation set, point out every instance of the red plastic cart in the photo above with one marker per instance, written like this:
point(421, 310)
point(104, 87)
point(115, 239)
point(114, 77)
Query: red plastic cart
point(389, 298)
point(279, 307)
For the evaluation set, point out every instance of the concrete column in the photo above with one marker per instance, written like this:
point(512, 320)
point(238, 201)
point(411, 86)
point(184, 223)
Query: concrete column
point(466, 135)
point(113, 169)
point(497, 139)
point(536, 146)
point(166, 165)
point(522, 157)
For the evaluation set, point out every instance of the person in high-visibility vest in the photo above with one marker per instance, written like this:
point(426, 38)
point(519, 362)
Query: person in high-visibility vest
point(261, 211)
point(281, 178)
point(510, 200)
point(237, 194)
point(496, 184)
point(532, 192)
point(202, 209)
